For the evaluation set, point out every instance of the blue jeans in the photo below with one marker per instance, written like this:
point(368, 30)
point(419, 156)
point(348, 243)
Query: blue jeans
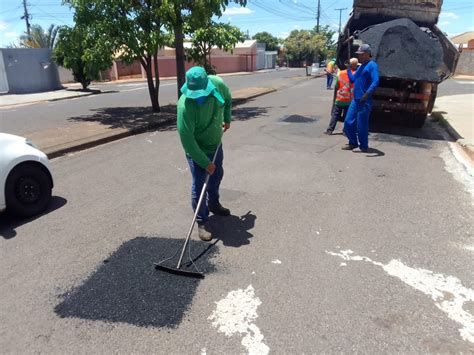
point(329, 80)
point(199, 176)
point(356, 124)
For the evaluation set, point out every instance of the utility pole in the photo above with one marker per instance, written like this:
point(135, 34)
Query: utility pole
point(26, 17)
point(318, 16)
point(340, 16)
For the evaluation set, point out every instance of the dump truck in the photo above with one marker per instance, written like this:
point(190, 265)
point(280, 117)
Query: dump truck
point(414, 56)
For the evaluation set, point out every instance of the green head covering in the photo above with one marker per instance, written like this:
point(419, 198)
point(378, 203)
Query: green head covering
point(198, 85)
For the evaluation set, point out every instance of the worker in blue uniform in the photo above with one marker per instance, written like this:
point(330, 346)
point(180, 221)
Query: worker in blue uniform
point(366, 80)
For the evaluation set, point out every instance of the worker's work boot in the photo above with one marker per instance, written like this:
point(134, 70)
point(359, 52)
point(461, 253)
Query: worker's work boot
point(204, 232)
point(349, 147)
point(218, 210)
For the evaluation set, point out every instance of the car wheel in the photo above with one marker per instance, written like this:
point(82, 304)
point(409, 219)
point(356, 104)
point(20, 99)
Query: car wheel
point(27, 190)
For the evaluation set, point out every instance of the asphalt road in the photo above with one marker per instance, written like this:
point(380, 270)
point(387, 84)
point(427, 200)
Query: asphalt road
point(46, 115)
point(325, 251)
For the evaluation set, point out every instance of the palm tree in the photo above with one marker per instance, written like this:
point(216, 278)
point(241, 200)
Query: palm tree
point(38, 38)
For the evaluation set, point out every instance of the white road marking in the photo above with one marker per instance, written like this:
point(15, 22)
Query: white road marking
point(135, 89)
point(459, 168)
point(146, 87)
point(276, 261)
point(447, 292)
point(465, 82)
point(131, 84)
point(236, 314)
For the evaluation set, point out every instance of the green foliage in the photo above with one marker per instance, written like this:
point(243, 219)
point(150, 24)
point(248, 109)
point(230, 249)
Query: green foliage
point(271, 42)
point(329, 50)
point(184, 17)
point(39, 38)
point(304, 45)
point(77, 51)
point(132, 29)
point(220, 35)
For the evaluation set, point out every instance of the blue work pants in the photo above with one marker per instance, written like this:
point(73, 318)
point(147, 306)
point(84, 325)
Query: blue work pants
point(356, 124)
point(329, 80)
point(199, 176)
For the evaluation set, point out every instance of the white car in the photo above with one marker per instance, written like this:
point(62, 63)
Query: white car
point(26, 181)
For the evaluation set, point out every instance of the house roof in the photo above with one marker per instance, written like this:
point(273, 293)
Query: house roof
point(246, 44)
point(463, 38)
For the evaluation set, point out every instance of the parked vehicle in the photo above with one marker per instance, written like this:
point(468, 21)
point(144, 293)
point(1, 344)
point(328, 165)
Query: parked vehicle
point(412, 53)
point(26, 181)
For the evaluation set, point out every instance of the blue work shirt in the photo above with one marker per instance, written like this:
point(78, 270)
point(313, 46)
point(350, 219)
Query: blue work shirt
point(365, 79)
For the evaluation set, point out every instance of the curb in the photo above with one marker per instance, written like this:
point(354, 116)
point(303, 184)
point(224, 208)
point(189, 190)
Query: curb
point(467, 148)
point(119, 133)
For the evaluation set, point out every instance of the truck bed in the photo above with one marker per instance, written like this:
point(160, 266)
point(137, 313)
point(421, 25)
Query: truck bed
point(370, 12)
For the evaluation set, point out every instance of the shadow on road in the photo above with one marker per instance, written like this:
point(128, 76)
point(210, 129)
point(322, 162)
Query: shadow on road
point(127, 288)
point(9, 223)
point(399, 125)
point(247, 113)
point(233, 230)
point(129, 117)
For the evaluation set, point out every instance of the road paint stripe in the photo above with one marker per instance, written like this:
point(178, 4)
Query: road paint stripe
point(236, 314)
point(460, 169)
point(465, 82)
point(447, 292)
point(146, 87)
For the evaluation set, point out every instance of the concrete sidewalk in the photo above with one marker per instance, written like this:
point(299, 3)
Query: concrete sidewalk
point(457, 113)
point(115, 124)
point(7, 100)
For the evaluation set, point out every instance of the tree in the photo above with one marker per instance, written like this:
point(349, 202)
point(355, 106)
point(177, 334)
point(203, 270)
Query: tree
point(131, 28)
point(38, 38)
point(220, 35)
point(304, 45)
point(184, 18)
point(271, 42)
point(75, 50)
point(329, 50)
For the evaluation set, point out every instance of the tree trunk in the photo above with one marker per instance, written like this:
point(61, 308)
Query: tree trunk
point(157, 80)
point(180, 60)
point(147, 65)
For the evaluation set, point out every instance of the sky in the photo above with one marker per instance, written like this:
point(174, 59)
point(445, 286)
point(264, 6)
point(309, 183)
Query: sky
point(279, 17)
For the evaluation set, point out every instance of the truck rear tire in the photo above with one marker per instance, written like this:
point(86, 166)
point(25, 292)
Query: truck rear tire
point(417, 120)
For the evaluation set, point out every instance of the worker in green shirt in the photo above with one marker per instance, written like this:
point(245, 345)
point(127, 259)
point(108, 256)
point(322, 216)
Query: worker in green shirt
point(204, 114)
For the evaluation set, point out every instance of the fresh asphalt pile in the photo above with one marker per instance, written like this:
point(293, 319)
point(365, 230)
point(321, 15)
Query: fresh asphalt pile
point(126, 287)
point(396, 41)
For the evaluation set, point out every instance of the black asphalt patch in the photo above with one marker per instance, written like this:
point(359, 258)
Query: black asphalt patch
point(127, 288)
point(298, 119)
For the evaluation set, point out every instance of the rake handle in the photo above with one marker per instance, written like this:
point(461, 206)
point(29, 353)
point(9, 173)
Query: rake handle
point(198, 207)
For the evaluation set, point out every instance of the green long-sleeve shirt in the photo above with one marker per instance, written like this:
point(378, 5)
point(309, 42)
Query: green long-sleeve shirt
point(200, 126)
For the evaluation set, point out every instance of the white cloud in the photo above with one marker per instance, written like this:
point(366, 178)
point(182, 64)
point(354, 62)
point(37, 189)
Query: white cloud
point(449, 15)
point(444, 23)
point(11, 35)
point(284, 35)
point(237, 11)
point(3, 25)
point(297, 27)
